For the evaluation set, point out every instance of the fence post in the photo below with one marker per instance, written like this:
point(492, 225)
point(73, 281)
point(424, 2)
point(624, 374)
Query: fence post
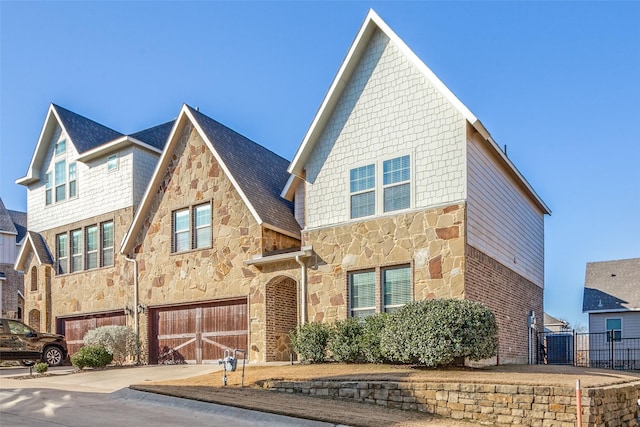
point(578, 404)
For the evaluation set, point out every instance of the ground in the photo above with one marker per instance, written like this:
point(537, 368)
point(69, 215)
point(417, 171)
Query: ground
point(209, 388)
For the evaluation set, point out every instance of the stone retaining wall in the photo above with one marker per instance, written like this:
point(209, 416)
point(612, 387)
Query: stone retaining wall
point(501, 405)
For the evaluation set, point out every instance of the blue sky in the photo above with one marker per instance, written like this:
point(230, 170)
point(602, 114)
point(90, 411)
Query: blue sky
point(557, 82)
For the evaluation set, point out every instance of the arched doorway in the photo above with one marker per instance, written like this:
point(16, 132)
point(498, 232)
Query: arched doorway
point(34, 319)
point(281, 305)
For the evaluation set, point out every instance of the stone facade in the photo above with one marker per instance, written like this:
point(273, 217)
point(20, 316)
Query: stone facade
point(12, 304)
point(194, 177)
point(430, 241)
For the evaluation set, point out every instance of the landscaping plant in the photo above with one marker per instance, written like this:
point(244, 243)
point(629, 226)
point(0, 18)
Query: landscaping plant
point(92, 357)
point(119, 341)
point(345, 342)
point(310, 341)
point(371, 335)
point(41, 368)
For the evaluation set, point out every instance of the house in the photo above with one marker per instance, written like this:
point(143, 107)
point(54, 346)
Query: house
point(553, 325)
point(612, 300)
point(397, 193)
point(84, 183)
point(13, 227)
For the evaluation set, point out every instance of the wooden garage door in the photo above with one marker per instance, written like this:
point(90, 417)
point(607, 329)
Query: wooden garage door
point(198, 333)
point(74, 328)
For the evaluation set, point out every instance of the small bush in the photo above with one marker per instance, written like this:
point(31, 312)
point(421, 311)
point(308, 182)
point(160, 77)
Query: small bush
point(371, 335)
point(310, 341)
point(41, 368)
point(345, 343)
point(119, 341)
point(92, 357)
point(439, 332)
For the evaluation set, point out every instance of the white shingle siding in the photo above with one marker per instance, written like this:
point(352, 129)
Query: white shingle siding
point(388, 107)
point(99, 190)
point(8, 249)
point(298, 208)
point(502, 221)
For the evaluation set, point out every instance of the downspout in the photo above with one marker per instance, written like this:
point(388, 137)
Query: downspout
point(303, 292)
point(135, 306)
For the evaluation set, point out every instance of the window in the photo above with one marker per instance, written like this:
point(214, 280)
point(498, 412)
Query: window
point(362, 188)
point(181, 230)
point(202, 219)
point(112, 163)
point(48, 183)
point(63, 254)
point(614, 329)
point(362, 292)
point(61, 172)
point(61, 147)
point(73, 188)
point(34, 278)
point(76, 250)
point(397, 287)
point(396, 175)
point(91, 239)
point(107, 244)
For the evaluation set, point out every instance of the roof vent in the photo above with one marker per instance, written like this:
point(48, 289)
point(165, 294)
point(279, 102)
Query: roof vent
point(613, 274)
point(600, 303)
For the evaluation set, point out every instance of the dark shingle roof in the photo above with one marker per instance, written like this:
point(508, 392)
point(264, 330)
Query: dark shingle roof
point(20, 222)
point(40, 247)
point(612, 285)
point(155, 136)
point(85, 134)
point(260, 173)
point(6, 223)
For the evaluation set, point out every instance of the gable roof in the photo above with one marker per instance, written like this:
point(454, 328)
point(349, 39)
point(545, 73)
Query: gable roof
point(612, 286)
point(6, 223)
point(373, 23)
point(256, 173)
point(90, 138)
point(20, 223)
point(36, 243)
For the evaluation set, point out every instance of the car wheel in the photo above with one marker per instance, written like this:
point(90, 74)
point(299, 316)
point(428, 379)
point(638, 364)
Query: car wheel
point(53, 356)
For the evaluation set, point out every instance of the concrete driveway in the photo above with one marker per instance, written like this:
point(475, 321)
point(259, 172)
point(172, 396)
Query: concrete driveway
point(102, 398)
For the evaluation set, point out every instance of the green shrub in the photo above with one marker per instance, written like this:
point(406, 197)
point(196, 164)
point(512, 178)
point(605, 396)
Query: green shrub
point(41, 368)
point(92, 357)
point(439, 332)
point(345, 343)
point(119, 341)
point(310, 341)
point(371, 335)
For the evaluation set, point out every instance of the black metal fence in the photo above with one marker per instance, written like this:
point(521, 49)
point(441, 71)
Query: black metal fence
point(596, 350)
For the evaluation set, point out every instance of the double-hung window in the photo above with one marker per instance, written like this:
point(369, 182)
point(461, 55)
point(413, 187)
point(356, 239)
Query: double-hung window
point(362, 183)
point(362, 292)
point(191, 228)
point(48, 184)
point(62, 249)
point(107, 244)
point(181, 230)
point(614, 329)
point(371, 192)
point(76, 250)
point(73, 182)
point(61, 180)
point(202, 220)
point(396, 282)
point(91, 239)
point(396, 176)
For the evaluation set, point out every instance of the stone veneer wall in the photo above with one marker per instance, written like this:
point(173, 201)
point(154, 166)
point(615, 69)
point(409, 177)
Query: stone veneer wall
point(494, 404)
point(194, 177)
point(13, 283)
point(82, 292)
point(510, 296)
point(432, 241)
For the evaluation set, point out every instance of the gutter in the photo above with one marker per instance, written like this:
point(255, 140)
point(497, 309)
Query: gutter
point(136, 328)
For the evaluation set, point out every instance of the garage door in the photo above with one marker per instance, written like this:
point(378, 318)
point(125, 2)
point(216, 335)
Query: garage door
point(198, 333)
point(74, 328)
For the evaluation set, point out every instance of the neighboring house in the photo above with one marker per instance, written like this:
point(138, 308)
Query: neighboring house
point(83, 184)
point(396, 194)
point(13, 229)
point(612, 300)
point(552, 325)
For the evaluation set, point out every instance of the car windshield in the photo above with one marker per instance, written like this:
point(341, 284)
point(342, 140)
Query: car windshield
point(18, 328)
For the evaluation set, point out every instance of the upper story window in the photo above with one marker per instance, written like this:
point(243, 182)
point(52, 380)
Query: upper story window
point(107, 244)
point(73, 182)
point(76, 250)
point(191, 228)
point(61, 147)
point(61, 180)
point(91, 241)
point(62, 253)
point(89, 248)
point(48, 185)
point(34, 278)
point(112, 163)
point(371, 194)
point(396, 290)
point(614, 329)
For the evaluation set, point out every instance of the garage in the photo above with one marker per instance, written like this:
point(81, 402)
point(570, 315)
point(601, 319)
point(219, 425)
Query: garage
point(197, 333)
point(74, 328)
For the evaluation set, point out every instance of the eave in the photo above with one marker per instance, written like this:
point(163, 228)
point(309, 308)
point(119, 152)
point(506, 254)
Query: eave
point(258, 260)
point(114, 146)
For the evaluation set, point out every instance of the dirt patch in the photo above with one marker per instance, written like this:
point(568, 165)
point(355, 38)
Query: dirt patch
point(209, 388)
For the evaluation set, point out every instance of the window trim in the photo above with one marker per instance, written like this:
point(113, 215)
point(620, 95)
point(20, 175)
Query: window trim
point(379, 285)
point(191, 228)
point(383, 293)
point(116, 163)
point(48, 188)
point(79, 255)
point(60, 143)
point(61, 259)
point(379, 187)
point(616, 338)
point(89, 252)
point(196, 227)
point(63, 183)
point(104, 248)
point(73, 181)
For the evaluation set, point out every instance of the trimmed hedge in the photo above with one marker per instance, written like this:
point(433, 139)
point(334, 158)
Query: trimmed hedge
point(310, 341)
point(345, 342)
point(371, 335)
point(440, 332)
point(92, 357)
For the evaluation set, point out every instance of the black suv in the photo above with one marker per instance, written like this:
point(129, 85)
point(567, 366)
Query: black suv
point(20, 342)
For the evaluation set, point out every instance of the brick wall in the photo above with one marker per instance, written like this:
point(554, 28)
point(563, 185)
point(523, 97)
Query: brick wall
point(281, 317)
point(13, 282)
point(509, 295)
